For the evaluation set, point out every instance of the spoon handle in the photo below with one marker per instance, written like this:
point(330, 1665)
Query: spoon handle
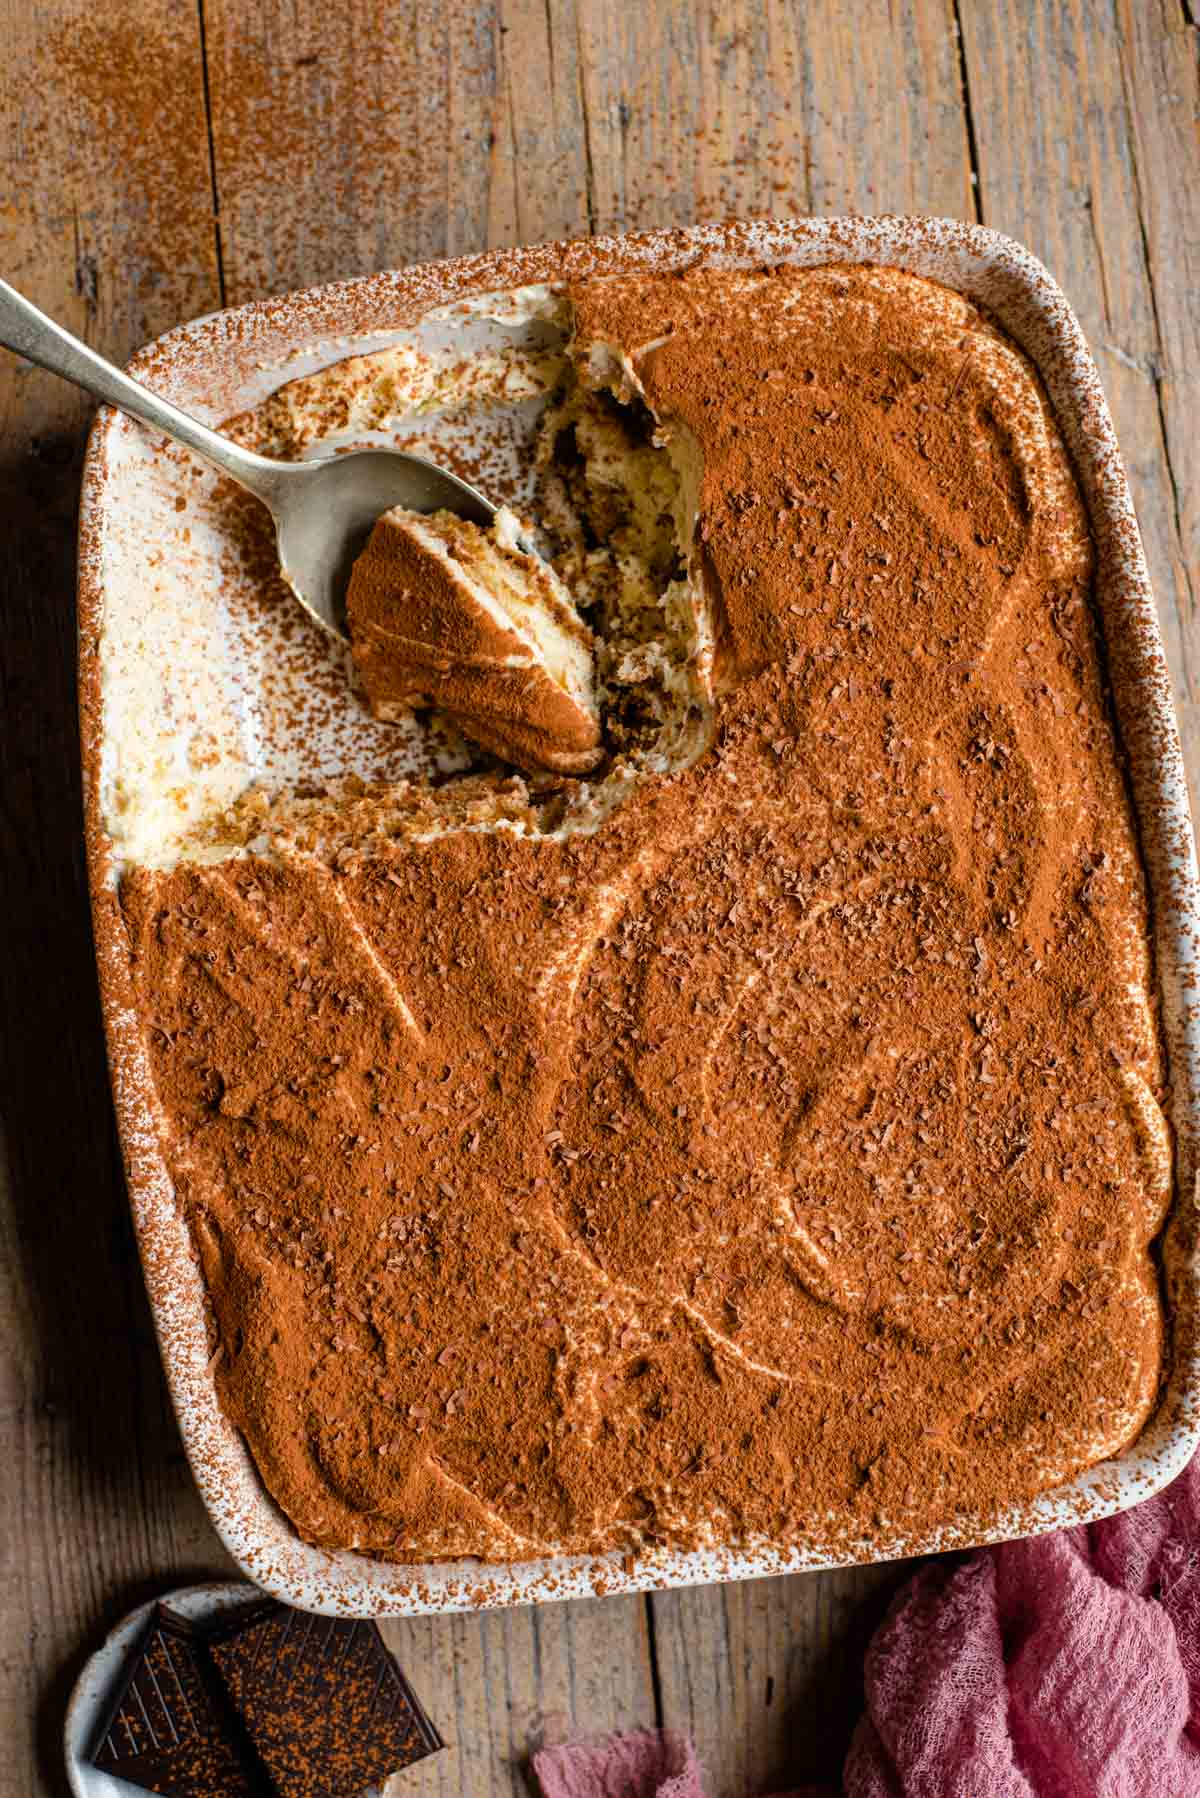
point(31, 334)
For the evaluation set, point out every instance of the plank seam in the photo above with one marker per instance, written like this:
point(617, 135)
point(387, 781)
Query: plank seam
point(212, 152)
point(964, 81)
point(1098, 245)
point(588, 170)
point(1156, 362)
point(504, 73)
point(550, 44)
point(87, 273)
point(656, 1689)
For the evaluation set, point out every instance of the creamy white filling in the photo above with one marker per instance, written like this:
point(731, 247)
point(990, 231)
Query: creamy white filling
point(218, 710)
point(566, 657)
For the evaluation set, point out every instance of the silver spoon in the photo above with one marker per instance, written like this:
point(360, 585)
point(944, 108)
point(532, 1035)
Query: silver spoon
point(323, 509)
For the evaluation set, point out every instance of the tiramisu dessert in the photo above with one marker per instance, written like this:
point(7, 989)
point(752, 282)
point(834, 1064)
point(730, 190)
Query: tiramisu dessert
point(714, 1097)
point(443, 612)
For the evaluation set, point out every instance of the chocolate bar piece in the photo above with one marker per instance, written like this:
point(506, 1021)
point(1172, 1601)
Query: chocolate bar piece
point(168, 1729)
point(328, 1711)
point(265, 1702)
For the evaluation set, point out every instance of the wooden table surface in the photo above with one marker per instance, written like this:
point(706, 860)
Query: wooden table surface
point(198, 153)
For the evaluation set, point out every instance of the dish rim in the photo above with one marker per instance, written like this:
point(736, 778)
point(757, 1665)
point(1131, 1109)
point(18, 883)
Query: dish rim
point(1016, 289)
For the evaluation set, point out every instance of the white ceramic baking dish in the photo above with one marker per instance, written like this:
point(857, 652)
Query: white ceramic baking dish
point(130, 532)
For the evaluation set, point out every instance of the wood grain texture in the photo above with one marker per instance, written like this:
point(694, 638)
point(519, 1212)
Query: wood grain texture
point(765, 1676)
point(327, 141)
point(505, 1682)
point(698, 111)
point(354, 137)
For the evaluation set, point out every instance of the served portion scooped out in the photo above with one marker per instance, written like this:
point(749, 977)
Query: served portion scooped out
point(727, 1109)
point(445, 613)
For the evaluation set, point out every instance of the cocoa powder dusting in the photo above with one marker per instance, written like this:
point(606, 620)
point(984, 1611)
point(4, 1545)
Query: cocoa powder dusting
point(115, 105)
point(787, 1148)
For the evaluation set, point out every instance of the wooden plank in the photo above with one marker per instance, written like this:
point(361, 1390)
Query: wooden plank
point(502, 1683)
point(355, 137)
point(888, 131)
point(542, 150)
point(1160, 68)
point(408, 133)
point(697, 111)
point(106, 202)
point(105, 219)
point(765, 1675)
point(1101, 190)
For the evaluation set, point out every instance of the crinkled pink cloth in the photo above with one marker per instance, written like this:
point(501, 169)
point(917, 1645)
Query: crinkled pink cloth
point(646, 1763)
point(1063, 1667)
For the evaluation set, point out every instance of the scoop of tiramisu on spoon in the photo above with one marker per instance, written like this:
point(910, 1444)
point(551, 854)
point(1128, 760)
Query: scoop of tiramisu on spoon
point(324, 512)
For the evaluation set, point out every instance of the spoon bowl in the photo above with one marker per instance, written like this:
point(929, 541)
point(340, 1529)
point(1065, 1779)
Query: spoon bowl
point(324, 510)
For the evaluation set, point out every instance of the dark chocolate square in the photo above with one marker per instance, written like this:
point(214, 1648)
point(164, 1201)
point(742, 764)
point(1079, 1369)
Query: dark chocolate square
point(328, 1711)
point(168, 1729)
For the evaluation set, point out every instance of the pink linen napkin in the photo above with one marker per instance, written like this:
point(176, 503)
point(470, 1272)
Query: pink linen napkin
point(1063, 1667)
point(645, 1763)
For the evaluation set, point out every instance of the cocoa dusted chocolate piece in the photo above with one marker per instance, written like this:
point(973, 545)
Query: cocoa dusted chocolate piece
point(263, 1702)
point(328, 1711)
point(169, 1728)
